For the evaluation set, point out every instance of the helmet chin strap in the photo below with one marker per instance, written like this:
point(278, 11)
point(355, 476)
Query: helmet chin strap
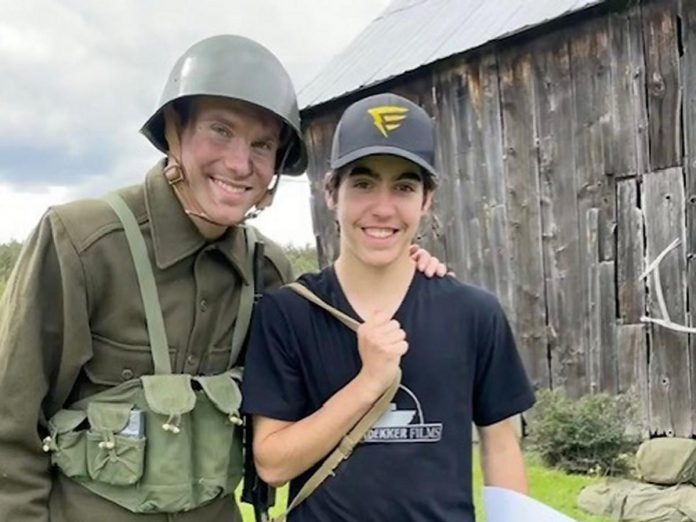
point(176, 176)
point(174, 171)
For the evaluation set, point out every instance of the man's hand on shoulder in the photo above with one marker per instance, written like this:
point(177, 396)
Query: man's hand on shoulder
point(428, 263)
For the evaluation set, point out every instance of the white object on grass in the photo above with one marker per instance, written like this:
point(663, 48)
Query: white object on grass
point(505, 505)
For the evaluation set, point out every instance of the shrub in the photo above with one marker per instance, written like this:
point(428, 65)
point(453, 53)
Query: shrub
point(303, 259)
point(583, 436)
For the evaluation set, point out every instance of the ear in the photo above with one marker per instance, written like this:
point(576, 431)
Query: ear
point(329, 195)
point(427, 202)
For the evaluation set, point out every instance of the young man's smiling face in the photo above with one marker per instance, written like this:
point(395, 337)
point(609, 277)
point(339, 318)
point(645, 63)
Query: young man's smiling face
point(228, 151)
point(379, 203)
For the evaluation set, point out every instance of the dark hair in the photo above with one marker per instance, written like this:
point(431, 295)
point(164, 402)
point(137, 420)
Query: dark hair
point(334, 178)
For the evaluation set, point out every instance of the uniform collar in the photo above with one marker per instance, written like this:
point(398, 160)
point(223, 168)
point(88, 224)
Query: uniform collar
point(174, 235)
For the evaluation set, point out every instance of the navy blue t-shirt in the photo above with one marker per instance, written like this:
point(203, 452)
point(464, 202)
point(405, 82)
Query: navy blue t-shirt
point(462, 365)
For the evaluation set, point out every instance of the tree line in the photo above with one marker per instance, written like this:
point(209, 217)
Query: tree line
point(9, 252)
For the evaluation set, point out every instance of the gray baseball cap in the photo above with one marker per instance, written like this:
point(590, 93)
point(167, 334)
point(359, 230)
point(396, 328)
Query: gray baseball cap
point(385, 124)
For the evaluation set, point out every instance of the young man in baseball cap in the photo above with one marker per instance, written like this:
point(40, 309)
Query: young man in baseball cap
point(309, 379)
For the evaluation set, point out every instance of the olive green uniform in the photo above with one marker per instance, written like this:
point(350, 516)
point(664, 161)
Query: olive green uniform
point(72, 323)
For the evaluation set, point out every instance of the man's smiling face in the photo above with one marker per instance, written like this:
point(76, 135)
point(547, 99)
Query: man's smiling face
point(228, 151)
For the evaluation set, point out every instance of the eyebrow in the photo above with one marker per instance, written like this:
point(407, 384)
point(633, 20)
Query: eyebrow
point(267, 134)
point(361, 170)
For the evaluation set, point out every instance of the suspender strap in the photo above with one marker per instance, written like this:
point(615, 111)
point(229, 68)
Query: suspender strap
point(146, 281)
point(356, 434)
point(246, 299)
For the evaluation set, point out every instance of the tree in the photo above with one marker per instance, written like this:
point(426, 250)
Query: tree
point(303, 259)
point(9, 252)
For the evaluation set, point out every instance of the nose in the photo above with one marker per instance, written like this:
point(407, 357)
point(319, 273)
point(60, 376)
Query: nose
point(383, 203)
point(237, 158)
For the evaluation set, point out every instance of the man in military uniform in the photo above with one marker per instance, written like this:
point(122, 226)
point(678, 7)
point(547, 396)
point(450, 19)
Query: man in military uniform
point(73, 321)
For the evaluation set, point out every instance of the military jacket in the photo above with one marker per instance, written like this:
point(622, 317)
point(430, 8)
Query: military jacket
point(72, 323)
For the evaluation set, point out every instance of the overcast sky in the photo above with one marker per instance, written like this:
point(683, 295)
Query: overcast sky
point(80, 78)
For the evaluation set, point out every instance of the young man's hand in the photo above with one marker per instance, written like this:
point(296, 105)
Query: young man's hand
point(381, 343)
point(428, 263)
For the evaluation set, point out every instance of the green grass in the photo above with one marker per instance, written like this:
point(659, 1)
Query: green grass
point(552, 487)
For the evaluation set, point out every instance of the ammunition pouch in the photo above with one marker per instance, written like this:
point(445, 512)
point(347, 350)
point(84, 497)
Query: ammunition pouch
point(189, 452)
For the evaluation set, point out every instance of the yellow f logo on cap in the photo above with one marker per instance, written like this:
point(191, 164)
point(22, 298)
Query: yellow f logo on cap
point(388, 118)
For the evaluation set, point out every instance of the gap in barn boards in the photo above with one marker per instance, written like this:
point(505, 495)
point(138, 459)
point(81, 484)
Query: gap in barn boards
point(688, 70)
point(571, 165)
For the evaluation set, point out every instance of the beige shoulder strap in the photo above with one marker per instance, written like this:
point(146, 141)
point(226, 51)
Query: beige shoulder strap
point(311, 296)
point(353, 438)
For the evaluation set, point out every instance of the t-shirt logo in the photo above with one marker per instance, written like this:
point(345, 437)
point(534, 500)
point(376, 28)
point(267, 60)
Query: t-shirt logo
point(388, 118)
point(405, 424)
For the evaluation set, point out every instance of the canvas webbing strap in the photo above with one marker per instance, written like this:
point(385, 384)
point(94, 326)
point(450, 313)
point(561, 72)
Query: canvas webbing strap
point(146, 280)
point(356, 434)
point(246, 298)
point(311, 296)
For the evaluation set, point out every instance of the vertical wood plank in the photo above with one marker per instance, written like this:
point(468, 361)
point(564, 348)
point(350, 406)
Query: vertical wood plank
point(318, 136)
point(663, 205)
point(495, 212)
point(522, 174)
point(630, 253)
point(592, 88)
point(609, 364)
point(468, 150)
point(628, 133)
point(688, 71)
point(594, 354)
point(446, 220)
point(482, 178)
point(565, 293)
point(662, 75)
point(632, 351)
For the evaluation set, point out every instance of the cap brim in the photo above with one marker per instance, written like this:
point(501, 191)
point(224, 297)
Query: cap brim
point(389, 151)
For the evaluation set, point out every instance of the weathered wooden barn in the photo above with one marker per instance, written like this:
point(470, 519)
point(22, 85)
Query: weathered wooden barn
point(567, 143)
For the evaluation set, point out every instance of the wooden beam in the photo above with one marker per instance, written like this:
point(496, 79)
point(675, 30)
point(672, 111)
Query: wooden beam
point(670, 401)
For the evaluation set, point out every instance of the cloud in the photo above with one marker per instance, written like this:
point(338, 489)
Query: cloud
point(80, 79)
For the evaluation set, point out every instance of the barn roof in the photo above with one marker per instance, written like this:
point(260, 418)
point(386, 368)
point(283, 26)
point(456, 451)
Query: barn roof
point(412, 33)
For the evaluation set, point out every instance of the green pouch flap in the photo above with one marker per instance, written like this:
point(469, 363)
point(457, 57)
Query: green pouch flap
point(66, 420)
point(108, 416)
point(236, 373)
point(222, 391)
point(169, 394)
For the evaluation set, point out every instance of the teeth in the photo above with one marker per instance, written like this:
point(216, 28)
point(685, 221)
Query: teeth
point(228, 188)
point(379, 233)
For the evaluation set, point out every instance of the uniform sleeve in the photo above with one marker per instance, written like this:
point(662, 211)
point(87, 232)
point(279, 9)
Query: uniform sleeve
point(501, 386)
point(277, 268)
point(44, 340)
point(273, 385)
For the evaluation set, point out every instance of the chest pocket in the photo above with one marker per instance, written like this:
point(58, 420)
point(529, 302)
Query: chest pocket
point(113, 362)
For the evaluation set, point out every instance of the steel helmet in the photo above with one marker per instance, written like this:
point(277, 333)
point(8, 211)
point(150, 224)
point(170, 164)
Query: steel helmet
point(235, 67)
point(385, 124)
